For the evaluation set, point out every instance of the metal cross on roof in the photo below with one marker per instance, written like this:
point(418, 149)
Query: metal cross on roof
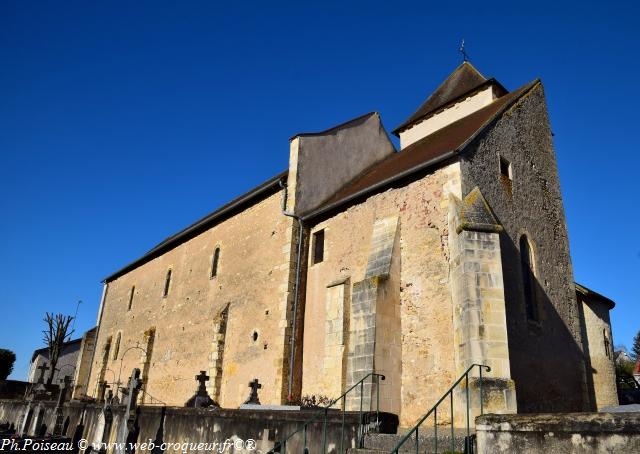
point(465, 57)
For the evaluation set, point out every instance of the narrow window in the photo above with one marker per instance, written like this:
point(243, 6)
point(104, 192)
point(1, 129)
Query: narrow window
point(116, 348)
point(528, 278)
point(214, 262)
point(318, 246)
point(607, 345)
point(133, 291)
point(167, 283)
point(505, 169)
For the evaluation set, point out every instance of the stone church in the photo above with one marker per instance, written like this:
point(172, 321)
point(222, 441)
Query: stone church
point(413, 263)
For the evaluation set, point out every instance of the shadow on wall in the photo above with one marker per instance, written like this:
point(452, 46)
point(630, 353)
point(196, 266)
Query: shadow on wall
point(547, 364)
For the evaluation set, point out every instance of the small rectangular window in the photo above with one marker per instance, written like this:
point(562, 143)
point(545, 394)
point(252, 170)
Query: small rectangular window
point(318, 246)
point(214, 262)
point(167, 283)
point(133, 291)
point(505, 168)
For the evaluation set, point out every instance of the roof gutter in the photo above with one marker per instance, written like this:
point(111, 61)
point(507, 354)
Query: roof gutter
point(296, 288)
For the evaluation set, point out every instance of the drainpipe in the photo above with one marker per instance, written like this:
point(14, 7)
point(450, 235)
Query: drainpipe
point(295, 288)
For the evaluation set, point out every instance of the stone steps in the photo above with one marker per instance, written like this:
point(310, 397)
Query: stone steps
point(384, 443)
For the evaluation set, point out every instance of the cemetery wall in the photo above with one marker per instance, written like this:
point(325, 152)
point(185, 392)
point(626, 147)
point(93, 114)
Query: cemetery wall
point(190, 425)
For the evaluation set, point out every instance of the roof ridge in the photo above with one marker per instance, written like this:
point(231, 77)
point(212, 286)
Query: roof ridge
point(336, 127)
point(463, 80)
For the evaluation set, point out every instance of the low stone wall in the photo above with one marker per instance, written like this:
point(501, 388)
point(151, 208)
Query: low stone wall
point(190, 425)
point(13, 389)
point(559, 433)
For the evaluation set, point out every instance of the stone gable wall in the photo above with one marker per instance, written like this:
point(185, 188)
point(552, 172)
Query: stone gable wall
point(546, 357)
point(253, 279)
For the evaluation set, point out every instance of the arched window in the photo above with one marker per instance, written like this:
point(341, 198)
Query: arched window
point(167, 283)
point(116, 347)
point(214, 262)
point(528, 278)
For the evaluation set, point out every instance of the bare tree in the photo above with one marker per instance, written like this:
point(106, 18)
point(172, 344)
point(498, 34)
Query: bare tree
point(56, 334)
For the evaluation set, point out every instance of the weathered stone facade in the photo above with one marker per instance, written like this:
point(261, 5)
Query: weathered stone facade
point(412, 328)
point(598, 347)
point(409, 264)
point(252, 284)
point(546, 354)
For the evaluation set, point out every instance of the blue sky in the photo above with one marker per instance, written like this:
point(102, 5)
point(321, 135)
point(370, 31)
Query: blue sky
point(122, 122)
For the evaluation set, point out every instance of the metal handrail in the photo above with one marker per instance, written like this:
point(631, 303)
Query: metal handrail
point(281, 446)
point(434, 411)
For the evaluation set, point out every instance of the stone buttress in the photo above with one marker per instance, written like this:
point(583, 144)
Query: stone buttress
point(375, 337)
point(479, 317)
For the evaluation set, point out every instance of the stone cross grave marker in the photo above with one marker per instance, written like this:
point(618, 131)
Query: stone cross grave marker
point(253, 396)
point(133, 388)
point(65, 383)
point(202, 378)
point(43, 369)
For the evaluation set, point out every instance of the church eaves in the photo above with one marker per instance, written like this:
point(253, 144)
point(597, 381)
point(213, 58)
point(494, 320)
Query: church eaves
point(464, 80)
point(213, 218)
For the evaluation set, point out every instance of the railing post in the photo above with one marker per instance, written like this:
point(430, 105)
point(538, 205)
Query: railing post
point(417, 441)
point(452, 431)
point(481, 396)
point(344, 411)
point(466, 378)
point(360, 436)
point(435, 430)
point(378, 403)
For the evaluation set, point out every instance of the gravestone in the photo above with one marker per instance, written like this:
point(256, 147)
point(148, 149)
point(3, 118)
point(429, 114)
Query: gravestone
point(201, 398)
point(39, 424)
point(128, 432)
point(103, 428)
point(59, 416)
point(42, 368)
point(26, 421)
point(253, 395)
point(39, 390)
point(79, 432)
point(102, 389)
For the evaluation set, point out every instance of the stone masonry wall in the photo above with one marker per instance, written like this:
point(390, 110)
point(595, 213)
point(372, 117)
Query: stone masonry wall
point(568, 433)
point(426, 327)
point(599, 352)
point(546, 355)
point(83, 365)
point(253, 280)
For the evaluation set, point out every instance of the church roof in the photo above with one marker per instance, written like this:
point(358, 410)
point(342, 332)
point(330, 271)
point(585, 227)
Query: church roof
point(462, 81)
point(66, 347)
point(206, 222)
point(592, 295)
point(425, 153)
